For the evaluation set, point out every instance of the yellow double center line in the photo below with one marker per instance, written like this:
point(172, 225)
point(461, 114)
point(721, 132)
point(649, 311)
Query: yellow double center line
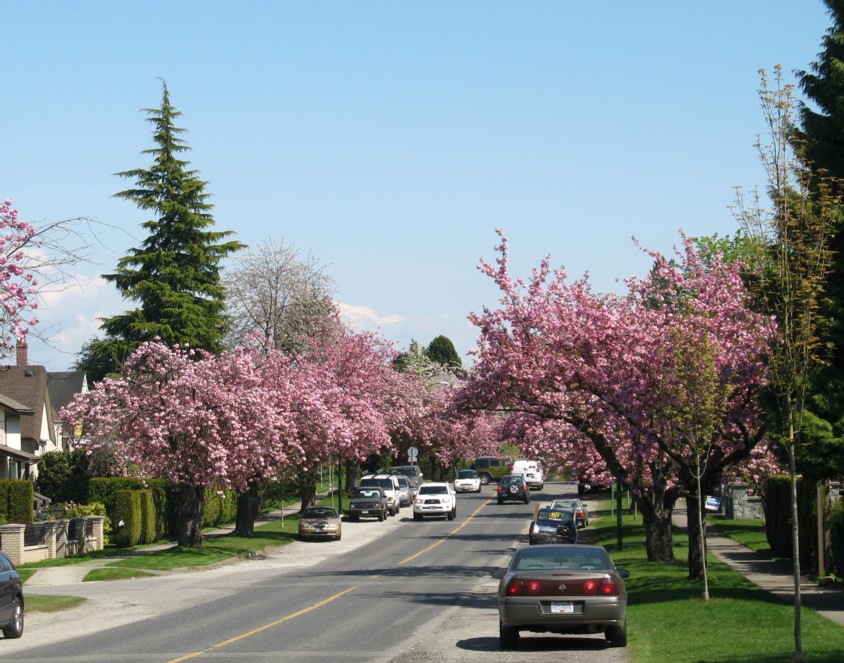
point(293, 615)
point(262, 628)
point(447, 536)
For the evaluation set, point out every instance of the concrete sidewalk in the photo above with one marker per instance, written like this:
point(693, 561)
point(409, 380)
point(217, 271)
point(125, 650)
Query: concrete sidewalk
point(771, 575)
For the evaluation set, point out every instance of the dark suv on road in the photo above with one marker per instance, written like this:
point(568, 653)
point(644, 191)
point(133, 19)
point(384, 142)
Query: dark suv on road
point(413, 474)
point(512, 487)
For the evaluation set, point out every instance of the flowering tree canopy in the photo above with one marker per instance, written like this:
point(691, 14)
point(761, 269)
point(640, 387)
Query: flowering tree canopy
point(197, 419)
point(18, 293)
point(584, 376)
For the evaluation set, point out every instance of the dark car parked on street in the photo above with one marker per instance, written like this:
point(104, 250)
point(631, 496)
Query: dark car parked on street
point(11, 599)
point(566, 588)
point(368, 502)
point(512, 487)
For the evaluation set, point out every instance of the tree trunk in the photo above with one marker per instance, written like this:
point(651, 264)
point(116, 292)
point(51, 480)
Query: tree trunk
point(656, 519)
point(190, 516)
point(693, 522)
point(248, 508)
point(352, 471)
point(307, 491)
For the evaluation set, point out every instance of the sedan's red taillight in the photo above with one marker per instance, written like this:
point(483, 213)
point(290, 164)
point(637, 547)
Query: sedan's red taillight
point(518, 586)
point(603, 586)
point(533, 586)
point(610, 587)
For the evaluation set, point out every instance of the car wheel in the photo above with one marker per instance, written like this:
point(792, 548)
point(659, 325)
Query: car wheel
point(353, 519)
point(527, 498)
point(417, 516)
point(485, 479)
point(508, 637)
point(500, 501)
point(514, 489)
point(395, 511)
point(339, 535)
point(617, 635)
point(15, 627)
point(381, 516)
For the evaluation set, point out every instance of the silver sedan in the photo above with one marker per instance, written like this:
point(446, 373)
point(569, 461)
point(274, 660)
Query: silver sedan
point(562, 588)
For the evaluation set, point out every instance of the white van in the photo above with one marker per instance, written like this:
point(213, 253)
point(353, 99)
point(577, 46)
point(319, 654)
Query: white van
point(532, 472)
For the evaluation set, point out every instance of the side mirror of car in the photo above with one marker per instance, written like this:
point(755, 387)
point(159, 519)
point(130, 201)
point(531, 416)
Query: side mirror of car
point(624, 573)
point(498, 573)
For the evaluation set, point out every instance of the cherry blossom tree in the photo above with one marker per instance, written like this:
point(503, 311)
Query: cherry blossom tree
point(18, 287)
point(352, 399)
point(581, 374)
point(200, 420)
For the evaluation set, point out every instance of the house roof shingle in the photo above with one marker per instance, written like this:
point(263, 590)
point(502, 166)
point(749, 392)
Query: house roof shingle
point(27, 385)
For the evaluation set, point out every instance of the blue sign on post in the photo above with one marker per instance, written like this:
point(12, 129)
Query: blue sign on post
point(713, 503)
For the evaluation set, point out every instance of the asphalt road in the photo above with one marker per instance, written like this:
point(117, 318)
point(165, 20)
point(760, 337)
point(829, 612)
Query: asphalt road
point(414, 592)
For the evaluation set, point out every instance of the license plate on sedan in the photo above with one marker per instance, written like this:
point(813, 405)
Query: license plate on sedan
point(562, 608)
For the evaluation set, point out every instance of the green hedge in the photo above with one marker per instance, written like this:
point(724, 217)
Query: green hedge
point(16, 499)
point(165, 504)
point(148, 517)
point(127, 518)
point(219, 509)
point(160, 519)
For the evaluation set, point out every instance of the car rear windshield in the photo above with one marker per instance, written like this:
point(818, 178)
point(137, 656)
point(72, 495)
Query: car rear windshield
point(547, 558)
point(558, 515)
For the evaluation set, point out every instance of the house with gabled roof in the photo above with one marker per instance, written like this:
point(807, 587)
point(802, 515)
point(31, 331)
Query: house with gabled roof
point(28, 386)
point(64, 386)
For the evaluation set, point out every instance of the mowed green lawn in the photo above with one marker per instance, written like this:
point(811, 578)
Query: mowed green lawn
point(669, 622)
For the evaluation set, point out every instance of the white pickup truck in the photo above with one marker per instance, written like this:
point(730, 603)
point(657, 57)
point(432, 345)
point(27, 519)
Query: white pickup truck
point(435, 499)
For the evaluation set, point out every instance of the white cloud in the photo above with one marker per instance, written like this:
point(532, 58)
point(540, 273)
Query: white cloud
point(68, 318)
point(363, 317)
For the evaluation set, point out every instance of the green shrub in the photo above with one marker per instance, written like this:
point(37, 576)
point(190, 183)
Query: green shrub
point(63, 476)
point(127, 518)
point(104, 489)
point(5, 486)
point(836, 531)
point(72, 510)
point(20, 499)
point(148, 534)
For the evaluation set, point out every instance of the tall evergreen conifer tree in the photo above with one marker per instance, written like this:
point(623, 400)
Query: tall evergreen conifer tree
point(174, 276)
point(822, 133)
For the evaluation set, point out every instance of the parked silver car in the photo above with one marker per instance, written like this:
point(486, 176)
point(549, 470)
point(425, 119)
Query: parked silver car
point(562, 588)
point(406, 493)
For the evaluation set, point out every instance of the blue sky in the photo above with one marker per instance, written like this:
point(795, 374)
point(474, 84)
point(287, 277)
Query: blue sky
point(390, 139)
